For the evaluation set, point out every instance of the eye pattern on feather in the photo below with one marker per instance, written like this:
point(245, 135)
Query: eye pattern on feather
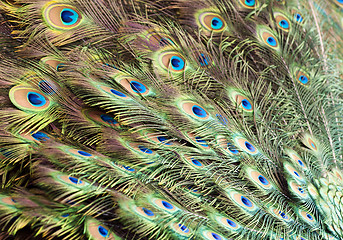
point(114, 92)
point(98, 231)
point(302, 77)
point(72, 180)
point(269, 39)
point(242, 102)
point(100, 118)
point(212, 22)
point(195, 110)
point(209, 235)
point(296, 174)
point(259, 178)
point(133, 86)
point(62, 16)
point(164, 205)
point(298, 17)
point(308, 217)
point(40, 136)
point(146, 212)
point(194, 162)
point(158, 40)
point(250, 4)
point(243, 201)
point(282, 21)
point(173, 61)
point(298, 190)
point(80, 153)
point(245, 145)
point(27, 98)
point(227, 223)
point(181, 229)
point(281, 215)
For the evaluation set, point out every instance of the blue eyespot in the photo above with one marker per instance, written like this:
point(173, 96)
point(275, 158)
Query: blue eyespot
point(250, 3)
point(250, 147)
point(167, 205)
point(46, 88)
point(201, 141)
point(300, 163)
point(216, 23)
point(75, 180)
point(103, 231)
point(246, 104)
point(263, 180)
point(283, 215)
point(301, 190)
point(36, 99)
point(196, 162)
point(296, 174)
point(83, 153)
point(145, 150)
point(184, 228)
point(216, 236)
point(69, 16)
point(309, 216)
point(284, 24)
point(60, 67)
point(231, 223)
point(40, 136)
point(108, 119)
point(148, 212)
point(303, 79)
point(232, 148)
point(177, 63)
point(199, 111)
point(271, 41)
point(164, 140)
point(137, 87)
point(128, 168)
point(298, 17)
point(119, 94)
point(65, 215)
point(203, 59)
point(246, 201)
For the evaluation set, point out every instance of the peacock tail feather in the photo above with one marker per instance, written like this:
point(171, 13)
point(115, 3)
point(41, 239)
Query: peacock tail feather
point(176, 119)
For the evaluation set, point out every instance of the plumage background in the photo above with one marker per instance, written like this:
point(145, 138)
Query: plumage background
point(175, 119)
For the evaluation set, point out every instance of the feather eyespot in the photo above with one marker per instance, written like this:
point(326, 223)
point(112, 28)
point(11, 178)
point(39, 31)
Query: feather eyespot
point(164, 205)
point(293, 172)
point(158, 40)
point(339, 3)
point(26, 98)
point(194, 162)
point(297, 160)
point(128, 168)
point(307, 216)
point(212, 235)
point(181, 229)
point(114, 92)
point(203, 60)
point(62, 16)
point(173, 61)
point(268, 38)
point(145, 212)
point(302, 77)
point(243, 201)
point(246, 146)
point(195, 110)
point(228, 223)
point(227, 146)
point(198, 141)
point(242, 101)
point(298, 190)
point(75, 182)
point(40, 136)
point(259, 179)
point(100, 118)
point(160, 138)
point(250, 4)
point(282, 22)
point(98, 231)
point(80, 153)
point(212, 22)
point(7, 200)
point(134, 86)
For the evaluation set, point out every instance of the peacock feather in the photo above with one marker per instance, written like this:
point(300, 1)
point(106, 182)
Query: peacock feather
point(175, 119)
